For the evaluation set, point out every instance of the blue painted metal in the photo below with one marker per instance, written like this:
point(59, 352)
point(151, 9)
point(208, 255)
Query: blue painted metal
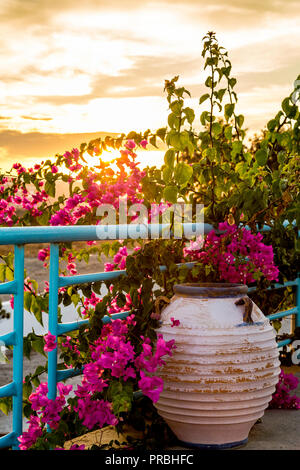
point(18, 347)
point(24, 235)
point(283, 313)
point(53, 317)
point(8, 287)
point(9, 339)
point(8, 390)
point(54, 235)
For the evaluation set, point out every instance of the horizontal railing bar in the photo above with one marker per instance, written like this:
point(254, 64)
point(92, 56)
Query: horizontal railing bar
point(8, 287)
point(8, 440)
point(189, 265)
point(115, 316)
point(277, 286)
point(8, 390)
point(65, 281)
point(68, 373)
point(57, 234)
point(63, 328)
point(284, 313)
point(284, 342)
point(9, 339)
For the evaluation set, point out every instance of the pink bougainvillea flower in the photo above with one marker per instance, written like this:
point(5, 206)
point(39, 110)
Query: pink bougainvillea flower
point(144, 143)
point(29, 437)
point(43, 254)
point(175, 322)
point(130, 144)
point(236, 255)
point(151, 386)
point(109, 267)
point(77, 447)
point(95, 413)
point(50, 342)
point(281, 398)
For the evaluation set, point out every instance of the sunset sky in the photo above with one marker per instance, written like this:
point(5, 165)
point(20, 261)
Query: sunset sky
point(71, 68)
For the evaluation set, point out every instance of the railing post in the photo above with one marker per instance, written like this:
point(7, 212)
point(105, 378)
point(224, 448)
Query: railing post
point(53, 307)
point(18, 347)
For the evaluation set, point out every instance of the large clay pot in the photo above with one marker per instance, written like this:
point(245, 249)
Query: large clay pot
point(223, 372)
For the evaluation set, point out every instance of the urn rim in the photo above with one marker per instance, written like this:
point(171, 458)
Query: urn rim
point(210, 289)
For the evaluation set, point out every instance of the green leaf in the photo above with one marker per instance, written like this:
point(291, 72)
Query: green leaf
point(176, 107)
point(210, 154)
point(9, 274)
point(2, 272)
point(27, 301)
point(208, 82)
point(272, 125)
point(190, 114)
point(50, 188)
point(228, 132)
point(240, 120)
point(183, 173)
point(204, 117)
point(203, 98)
point(221, 93)
point(170, 194)
point(236, 148)
point(169, 157)
point(167, 174)
point(27, 389)
point(261, 157)
point(36, 309)
point(216, 129)
point(97, 287)
point(6, 405)
point(229, 108)
point(281, 157)
point(241, 168)
point(173, 120)
point(152, 141)
point(173, 139)
point(38, 345)
point(286, 105)
point(161, 133)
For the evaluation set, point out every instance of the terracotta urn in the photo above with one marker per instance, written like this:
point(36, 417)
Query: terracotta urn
point(224, 369)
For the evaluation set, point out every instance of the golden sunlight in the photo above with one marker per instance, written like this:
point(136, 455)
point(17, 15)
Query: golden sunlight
point(144, 158)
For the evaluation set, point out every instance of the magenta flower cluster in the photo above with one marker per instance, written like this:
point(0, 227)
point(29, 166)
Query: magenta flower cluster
point(236, 255)
point(47, 412)
point(113, 356)
point(50, 342)
point(282, 398)
point(116, 353)
point(113, 184)
point(20, 197)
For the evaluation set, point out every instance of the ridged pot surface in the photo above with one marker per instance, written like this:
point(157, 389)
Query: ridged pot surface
point(223, 371)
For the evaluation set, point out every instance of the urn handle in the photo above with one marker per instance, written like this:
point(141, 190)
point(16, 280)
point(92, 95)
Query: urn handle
point(248, 308)
point(158, 300)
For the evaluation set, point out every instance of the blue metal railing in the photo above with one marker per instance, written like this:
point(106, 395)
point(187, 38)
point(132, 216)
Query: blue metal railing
point(19, 236)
